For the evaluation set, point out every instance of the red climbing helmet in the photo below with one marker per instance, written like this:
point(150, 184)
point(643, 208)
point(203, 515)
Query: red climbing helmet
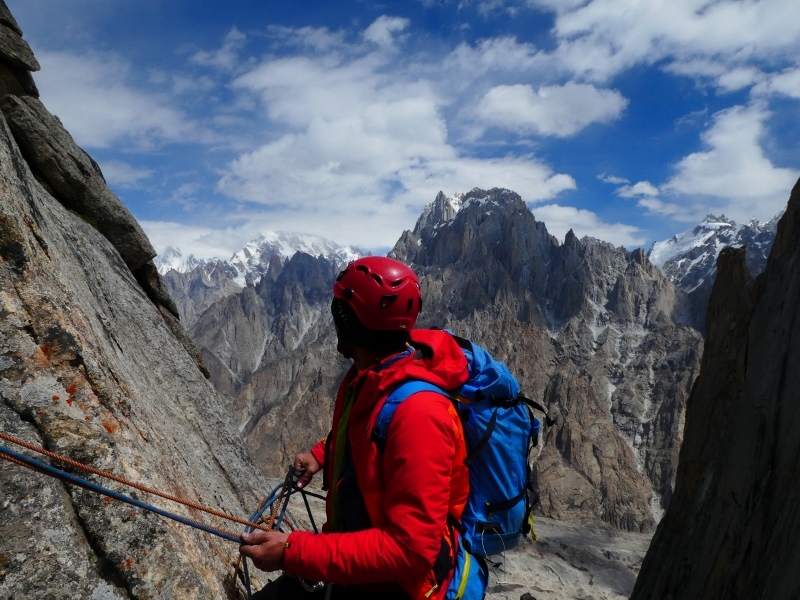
point(383, 292)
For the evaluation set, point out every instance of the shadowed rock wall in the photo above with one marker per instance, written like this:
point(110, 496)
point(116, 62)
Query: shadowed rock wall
point(732, 526)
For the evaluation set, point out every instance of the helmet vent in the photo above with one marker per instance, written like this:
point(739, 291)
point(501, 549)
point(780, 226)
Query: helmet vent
point(363, 268)
point(395, 284)
point(377, 278)
point(388, 299)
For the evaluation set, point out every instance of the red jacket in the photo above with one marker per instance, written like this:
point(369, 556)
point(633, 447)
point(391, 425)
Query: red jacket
point(408, 489)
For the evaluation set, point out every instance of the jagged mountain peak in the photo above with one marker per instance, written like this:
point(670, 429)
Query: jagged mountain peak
point(689, 258)
point(444, 208)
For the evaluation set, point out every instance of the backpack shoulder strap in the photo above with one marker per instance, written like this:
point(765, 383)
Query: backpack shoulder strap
point(396, 397)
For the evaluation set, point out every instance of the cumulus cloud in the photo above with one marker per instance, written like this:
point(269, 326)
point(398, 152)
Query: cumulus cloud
point(612, 179)
point(678, 212)
point(362, 143)
point(560, 219)
point(558, 110)
point(601, 38)
point(121, 174)
point(383, 29)
point(642, 188)
point(785, 83)
point(226, 57)
point(732, 174)
point(91, 95)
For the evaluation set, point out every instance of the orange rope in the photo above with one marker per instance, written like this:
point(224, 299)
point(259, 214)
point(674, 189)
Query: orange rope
point(122, 480)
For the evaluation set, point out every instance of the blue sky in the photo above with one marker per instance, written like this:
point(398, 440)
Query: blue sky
point(626, 120)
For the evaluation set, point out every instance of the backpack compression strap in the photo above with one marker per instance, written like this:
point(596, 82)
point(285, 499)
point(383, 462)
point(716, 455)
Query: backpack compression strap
point(535, 405)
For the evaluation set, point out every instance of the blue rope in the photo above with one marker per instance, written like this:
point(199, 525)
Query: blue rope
point(270, 500)
point(80, 482)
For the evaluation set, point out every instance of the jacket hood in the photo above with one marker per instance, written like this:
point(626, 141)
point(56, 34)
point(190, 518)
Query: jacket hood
point(438, 360)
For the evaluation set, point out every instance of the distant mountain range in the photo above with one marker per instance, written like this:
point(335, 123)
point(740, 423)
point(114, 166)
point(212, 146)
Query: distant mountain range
point(253, 261)
point(195, 283)
point(688, 259)
point(609, 340)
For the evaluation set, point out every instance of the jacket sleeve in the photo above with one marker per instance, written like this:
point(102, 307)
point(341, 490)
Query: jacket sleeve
point(417, 468)
point(318, 452)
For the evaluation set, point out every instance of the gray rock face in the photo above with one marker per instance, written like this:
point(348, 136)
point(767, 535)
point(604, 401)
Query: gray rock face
point(272, 350)
point(195, 284)
point(74, 178)
point(731, 528)
point(570, 562)
point(14, 51)
point(90, 368)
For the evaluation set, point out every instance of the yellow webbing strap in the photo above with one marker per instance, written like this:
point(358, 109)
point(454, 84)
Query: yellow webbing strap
point(464, 577)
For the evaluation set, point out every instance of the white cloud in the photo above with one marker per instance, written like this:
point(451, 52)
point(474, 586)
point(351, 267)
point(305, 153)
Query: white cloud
point(122, 174)
point(227, 56)
point(203, 242)
point(678, 212)
point(361, 143)
point(612, 179)
point(383, 30)
point(560, 219)
point(559, 111)
point(733, 175)
point(786, 83)
point(642, 188)
point(497, 57)
point(92, 97)
point(601, 38)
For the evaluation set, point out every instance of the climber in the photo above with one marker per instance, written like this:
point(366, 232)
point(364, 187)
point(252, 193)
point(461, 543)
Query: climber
point(388, 534)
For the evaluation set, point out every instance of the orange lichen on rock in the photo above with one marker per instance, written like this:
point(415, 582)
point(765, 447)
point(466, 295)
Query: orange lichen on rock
point(71, 389)
point(110, 426)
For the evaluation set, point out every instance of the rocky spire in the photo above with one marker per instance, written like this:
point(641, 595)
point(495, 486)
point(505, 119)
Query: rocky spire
point(731, 529)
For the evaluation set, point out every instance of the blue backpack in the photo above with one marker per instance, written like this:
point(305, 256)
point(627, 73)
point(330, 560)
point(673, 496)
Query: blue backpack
point(500, 431)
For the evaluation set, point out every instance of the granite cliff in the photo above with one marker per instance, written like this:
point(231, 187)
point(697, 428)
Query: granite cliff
point(95, 365)
point(731, 527)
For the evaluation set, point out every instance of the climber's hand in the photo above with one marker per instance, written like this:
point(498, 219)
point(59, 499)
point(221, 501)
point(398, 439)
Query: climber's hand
point(307, 465)
point(264, 548)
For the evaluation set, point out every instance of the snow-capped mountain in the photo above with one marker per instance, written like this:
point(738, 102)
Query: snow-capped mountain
point(253, 261)
point(172, 259)
point(195, 284)
point(689, 259)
